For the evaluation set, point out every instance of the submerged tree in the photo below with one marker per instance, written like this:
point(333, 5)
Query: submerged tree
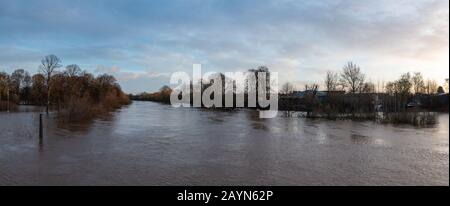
point(310, 97)
point(20, 85)
point(25, 92)
point(48, 66)
point(431, 86)
point(287, 88)
point(352, 77)
point(368, 87)
point(446, 85)
point(252, 82)
point(255, 85)
point(332, 81)
point(17, 78)
point(4, 85)
point(418, 83)
point(390, 88)
point(403, 85)
point(38, 89)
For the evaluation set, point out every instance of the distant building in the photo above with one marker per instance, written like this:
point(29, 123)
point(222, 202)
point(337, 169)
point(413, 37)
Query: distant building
point(302, 94)
point(320, 95)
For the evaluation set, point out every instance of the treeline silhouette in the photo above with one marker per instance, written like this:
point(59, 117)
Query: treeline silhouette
point(163, 95)
point(75, 94)
point(228, 86)
point(347, 94)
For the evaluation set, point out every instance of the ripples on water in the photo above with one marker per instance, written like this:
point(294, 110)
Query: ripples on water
point(152, 144)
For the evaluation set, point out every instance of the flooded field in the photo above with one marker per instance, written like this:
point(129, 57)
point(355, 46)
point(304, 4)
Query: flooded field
point(148, 143)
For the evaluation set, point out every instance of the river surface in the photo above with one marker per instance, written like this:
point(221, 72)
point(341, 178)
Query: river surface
point(148, 143)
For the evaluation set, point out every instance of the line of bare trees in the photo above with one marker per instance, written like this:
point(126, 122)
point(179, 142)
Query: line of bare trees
point(349, 93)
point(251, 83)
point(352, 80)
point(72, 91)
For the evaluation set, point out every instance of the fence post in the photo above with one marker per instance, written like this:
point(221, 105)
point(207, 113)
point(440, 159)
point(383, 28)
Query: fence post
point(7, 101)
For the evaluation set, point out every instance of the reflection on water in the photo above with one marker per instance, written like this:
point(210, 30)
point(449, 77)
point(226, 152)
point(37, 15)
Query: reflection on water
point(152, 144)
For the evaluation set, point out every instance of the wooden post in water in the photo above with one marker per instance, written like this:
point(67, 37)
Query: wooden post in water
point(41, 132)
point(7, 101)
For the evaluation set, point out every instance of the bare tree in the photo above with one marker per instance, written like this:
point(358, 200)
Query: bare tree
point(312, 88)
point(431, 86)
point(48, 66)
point(418, 83)
point(403, 85)
point(332, 81)
point(26, 88)
point(73, 70)
point(310, 98)
point(446, 85)
point(390, 88)
point(252, 81)
point(260, 69)
point(368, 87)
point(352, 78)
point(4, 84)
point(287, 88)
point(16, 82)
point(21, 82)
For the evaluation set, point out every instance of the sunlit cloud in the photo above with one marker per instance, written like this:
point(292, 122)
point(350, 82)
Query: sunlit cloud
point(301, 40)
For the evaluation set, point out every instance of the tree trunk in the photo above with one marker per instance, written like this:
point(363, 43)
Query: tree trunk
point(48, 93)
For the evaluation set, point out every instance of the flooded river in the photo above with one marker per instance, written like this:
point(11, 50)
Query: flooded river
point(148, 143)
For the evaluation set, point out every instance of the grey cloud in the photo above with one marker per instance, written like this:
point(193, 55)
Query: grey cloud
point(300, 39)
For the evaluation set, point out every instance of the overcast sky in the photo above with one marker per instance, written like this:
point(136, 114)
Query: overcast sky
point(143, 42)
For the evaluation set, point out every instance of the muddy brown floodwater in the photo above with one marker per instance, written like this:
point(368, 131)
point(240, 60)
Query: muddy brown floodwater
point(148, 143)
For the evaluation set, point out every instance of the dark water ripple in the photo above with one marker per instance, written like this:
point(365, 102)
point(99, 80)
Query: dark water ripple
point(152, 144)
